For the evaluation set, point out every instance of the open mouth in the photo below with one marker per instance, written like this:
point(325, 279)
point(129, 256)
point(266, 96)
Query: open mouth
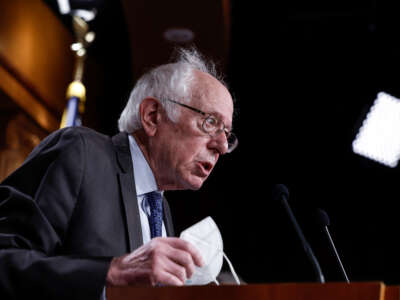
point(205, 167)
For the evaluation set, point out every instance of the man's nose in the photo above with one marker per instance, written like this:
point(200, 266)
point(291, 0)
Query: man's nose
point(219, 142)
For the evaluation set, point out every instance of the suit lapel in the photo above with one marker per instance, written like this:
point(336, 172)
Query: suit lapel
point(167, 218)
point(128, 191)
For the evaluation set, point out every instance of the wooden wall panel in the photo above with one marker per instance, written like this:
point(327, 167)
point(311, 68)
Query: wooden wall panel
point(35, 52)
point(36, 66)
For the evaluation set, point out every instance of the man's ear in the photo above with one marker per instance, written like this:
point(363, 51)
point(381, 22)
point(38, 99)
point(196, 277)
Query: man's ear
point(150, 115)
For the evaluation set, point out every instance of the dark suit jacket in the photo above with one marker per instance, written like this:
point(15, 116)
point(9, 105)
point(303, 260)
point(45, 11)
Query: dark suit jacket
point(65, 213)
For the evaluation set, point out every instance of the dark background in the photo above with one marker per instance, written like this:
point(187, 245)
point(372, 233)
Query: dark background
point(304, 74)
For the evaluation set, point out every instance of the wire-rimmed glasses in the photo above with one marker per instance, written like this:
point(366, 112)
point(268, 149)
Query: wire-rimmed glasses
point(213, 126)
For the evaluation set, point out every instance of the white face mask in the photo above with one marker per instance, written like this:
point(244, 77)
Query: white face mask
point(206, 237)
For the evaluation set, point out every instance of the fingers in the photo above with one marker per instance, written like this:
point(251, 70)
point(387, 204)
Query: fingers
point(168, 261)
point(187, 247)
point(181, 260)
point(182, 257)
point(175, 273)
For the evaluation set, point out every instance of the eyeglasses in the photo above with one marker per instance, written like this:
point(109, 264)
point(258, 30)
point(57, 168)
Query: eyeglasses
point(213, 126)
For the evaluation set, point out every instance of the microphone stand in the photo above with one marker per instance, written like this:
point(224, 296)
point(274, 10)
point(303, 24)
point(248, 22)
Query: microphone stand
point(306, 246)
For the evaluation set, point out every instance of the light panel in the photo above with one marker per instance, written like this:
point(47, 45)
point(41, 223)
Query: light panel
point(379, 136)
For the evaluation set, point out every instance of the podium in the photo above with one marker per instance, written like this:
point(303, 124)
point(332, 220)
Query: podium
point(279, 291)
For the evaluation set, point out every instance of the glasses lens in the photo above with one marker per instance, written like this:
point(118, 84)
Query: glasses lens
point(232, 142)
point(211, 124)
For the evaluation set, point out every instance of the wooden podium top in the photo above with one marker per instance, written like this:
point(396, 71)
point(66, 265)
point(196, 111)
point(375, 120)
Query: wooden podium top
point(392, 293)
point(279, 291)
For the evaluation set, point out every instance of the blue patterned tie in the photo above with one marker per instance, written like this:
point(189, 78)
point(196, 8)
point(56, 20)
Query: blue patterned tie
point(155, 219)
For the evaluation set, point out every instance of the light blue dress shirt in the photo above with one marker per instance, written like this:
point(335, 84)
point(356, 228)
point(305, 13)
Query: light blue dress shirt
point(144, 183)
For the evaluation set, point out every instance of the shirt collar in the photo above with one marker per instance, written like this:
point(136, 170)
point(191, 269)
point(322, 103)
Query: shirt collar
point(144, 177)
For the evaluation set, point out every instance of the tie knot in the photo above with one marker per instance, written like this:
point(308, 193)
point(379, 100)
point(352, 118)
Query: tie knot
point(155, 201)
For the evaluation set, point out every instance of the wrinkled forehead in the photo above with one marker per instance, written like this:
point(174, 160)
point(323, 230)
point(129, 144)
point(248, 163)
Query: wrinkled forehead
point(211, 96)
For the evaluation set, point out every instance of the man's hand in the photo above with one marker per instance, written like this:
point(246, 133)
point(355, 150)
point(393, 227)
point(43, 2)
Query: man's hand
point(167, 261)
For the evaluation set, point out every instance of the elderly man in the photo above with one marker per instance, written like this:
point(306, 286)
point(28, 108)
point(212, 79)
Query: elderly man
point(86, 211)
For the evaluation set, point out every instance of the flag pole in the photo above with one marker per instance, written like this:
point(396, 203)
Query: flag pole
point(76, 91)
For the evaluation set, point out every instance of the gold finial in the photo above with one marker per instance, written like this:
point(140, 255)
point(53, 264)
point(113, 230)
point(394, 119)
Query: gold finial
point(76, 89)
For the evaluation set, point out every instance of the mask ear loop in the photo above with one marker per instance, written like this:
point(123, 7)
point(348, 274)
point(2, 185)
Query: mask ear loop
point(227, 260)
point(232, 269)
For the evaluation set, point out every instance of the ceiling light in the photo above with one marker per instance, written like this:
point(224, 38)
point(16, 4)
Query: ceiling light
point(179, 35)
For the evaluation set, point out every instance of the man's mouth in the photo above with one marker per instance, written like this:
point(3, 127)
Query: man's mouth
point(205, 167)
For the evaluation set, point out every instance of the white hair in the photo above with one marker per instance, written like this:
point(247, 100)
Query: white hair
point(170, 81)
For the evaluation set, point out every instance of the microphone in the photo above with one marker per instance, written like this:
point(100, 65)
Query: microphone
point(282, 193)
point(323, 220)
